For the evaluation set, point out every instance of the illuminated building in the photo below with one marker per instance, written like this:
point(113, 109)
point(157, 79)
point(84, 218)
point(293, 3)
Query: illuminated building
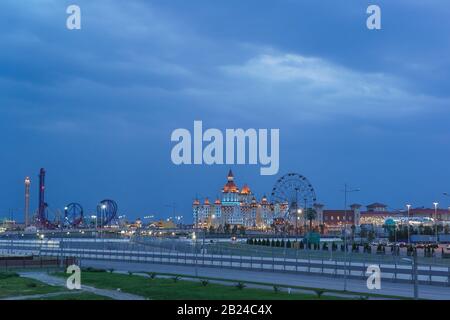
point(237, 207)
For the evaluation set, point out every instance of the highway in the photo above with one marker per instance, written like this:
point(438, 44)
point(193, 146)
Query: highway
point(357, 285)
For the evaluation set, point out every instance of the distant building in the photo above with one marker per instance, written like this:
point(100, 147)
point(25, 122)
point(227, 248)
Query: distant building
point(238, 207)
point(376, 215)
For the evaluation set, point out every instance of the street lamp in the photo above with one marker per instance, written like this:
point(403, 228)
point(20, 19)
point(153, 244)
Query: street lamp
point(415, 276)
point(346, 191)
point(409, 208)
point(435, 220)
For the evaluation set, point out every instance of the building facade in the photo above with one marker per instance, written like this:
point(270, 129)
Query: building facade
point(236, 207)
point(240, 207)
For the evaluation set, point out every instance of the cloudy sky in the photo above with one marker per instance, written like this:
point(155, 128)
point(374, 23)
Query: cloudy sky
point(96, 107)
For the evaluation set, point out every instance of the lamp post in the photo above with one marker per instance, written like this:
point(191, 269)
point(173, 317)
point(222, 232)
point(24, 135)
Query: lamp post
point(409, 208)
point(299, 212)
point(346, 191)
point(435, 220)
point(414, 273)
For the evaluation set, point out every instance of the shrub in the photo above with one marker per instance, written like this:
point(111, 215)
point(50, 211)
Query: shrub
point(111, 270)
point(91, 269)
point(240, 285)
point(319, 293)
point(31, 285)
point(130, 273)
point(152, 275)
point(6, 275)
point(204, 282)
point(276, 289)
point(176, 278)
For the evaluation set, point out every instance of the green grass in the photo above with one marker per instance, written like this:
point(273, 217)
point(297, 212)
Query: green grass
point(75, 296)
point(329, 291)
point(168, 289)
point(12, 285)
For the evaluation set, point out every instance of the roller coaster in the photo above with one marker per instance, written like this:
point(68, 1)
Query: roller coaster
point(74, 217)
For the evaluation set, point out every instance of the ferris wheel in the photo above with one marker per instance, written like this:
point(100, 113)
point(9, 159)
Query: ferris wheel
point(73, 214)
point(292, 192)
point(106, 212)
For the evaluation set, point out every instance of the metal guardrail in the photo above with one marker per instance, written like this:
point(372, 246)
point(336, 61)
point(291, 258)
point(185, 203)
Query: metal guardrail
point(435, 275)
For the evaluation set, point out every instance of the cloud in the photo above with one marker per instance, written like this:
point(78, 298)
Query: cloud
point(317, 88)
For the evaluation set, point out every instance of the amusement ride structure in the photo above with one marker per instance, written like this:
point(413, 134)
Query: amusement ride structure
point(74, 217)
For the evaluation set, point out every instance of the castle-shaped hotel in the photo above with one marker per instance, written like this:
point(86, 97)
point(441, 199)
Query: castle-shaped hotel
point(237, 207)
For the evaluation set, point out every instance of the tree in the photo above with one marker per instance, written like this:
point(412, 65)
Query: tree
point(288, 244)
point(322, 228)
point(353, 227)
point(310, 216)
point(371, 236)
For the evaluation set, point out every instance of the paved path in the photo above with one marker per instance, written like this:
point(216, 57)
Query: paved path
point(57, 281)
point(335, 283)
point(247, 285)
point(40, 296)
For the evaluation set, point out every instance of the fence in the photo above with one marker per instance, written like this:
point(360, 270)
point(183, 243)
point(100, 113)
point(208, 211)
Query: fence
point(242, 257)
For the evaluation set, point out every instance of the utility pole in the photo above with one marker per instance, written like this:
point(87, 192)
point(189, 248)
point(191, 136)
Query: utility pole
point(346, 191)
point(415, 275)
point(27, 200)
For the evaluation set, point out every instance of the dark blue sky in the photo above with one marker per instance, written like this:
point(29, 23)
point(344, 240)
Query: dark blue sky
point(96, 107)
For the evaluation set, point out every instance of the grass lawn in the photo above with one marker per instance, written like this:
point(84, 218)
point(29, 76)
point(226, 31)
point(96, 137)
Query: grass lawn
point(76, 296)
point(12, 285)
point(168, 289)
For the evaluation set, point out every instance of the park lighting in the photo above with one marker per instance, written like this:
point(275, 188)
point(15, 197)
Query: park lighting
point(415, 276)
point(408, 206)
point(42, 236)
point(435, 220)
point(346, 192)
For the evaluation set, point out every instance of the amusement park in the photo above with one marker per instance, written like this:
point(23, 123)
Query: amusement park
point(56, 221)
point(287, 236)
